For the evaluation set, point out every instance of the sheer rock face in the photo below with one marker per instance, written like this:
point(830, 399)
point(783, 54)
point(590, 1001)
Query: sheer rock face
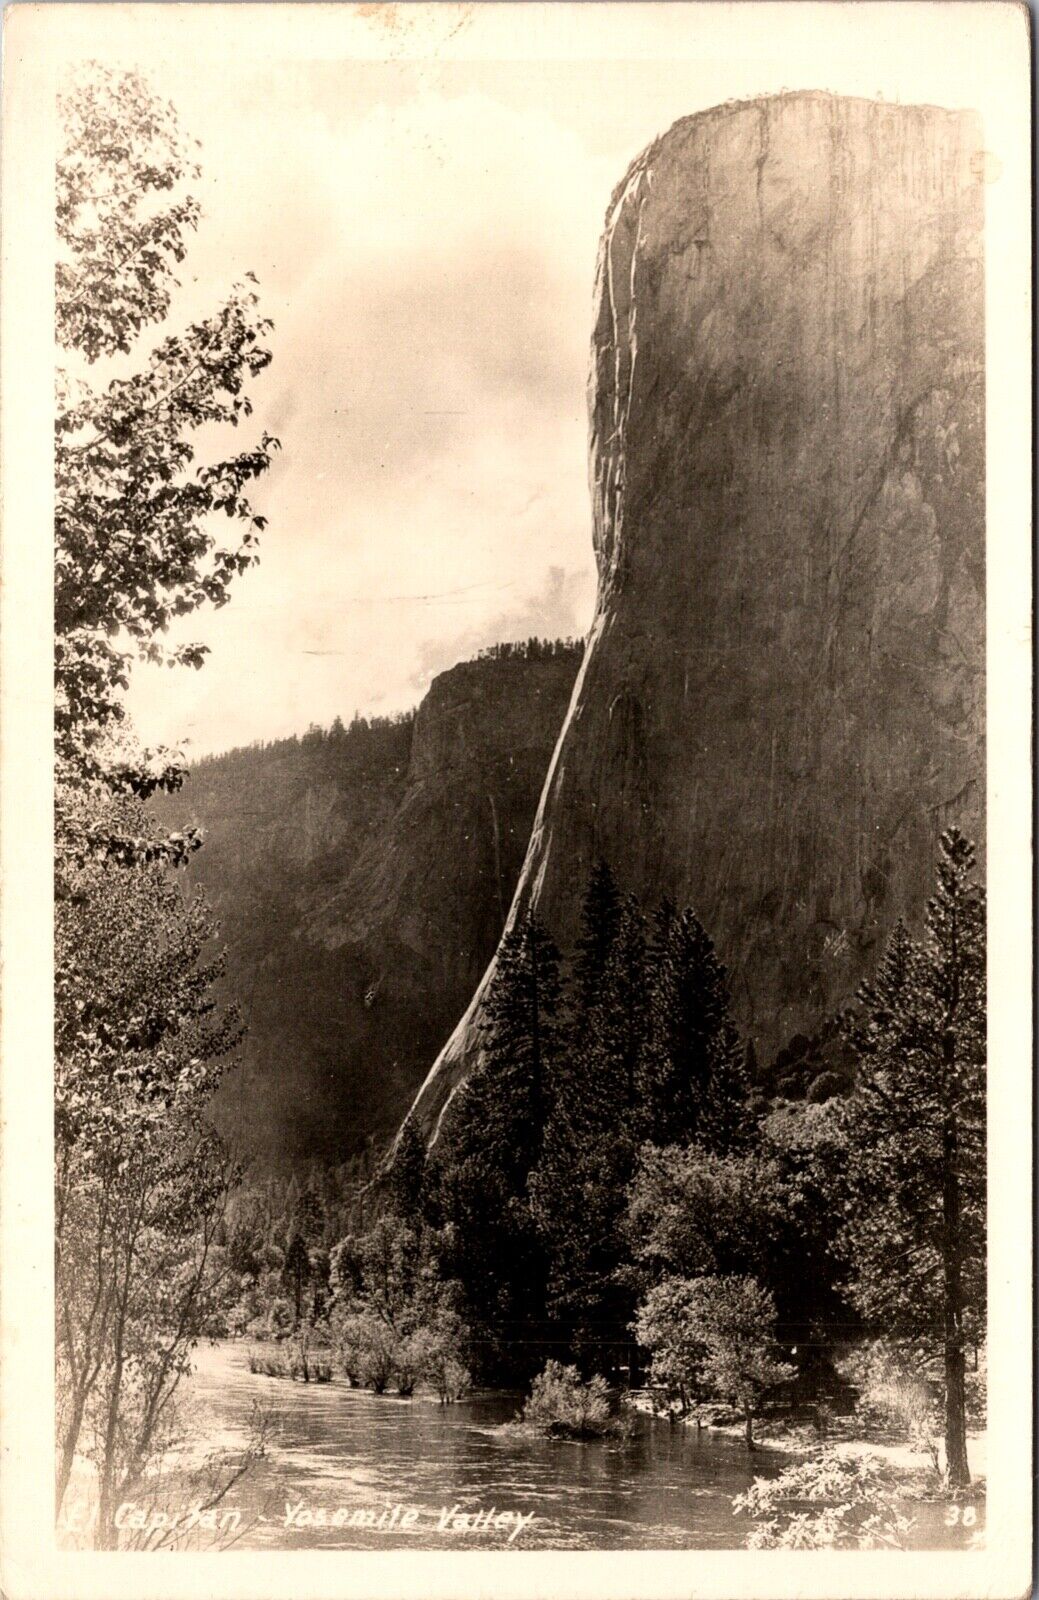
point(781, 703)
point(433, 887)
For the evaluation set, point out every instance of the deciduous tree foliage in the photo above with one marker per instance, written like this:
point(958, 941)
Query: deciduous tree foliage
point(734, 1319)
point(766, 1210)
point(835, 1502)
point(715, 1336)
point(135, 544)
point(394, 1316)
point(141, 1179)
point(665, 1326)
point(914, 1135)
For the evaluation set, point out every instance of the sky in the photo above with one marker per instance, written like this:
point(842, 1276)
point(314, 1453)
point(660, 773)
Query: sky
point(423, 216)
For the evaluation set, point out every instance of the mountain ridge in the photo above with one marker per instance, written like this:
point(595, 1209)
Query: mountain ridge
point(360, 876)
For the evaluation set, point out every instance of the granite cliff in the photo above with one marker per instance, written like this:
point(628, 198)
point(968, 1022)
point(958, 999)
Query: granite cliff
point(361, 877)
point(781, 701)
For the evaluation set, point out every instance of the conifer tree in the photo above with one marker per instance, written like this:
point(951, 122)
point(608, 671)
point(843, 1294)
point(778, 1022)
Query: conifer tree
point(521, 1037)
point(618, 1021)
point(600, 919)
point(296, 1271)
point(491, 1141)
point(406, 1177)
point(694, 1071)
point(311, 1212)
point(588, 1157)
point(915, 1137)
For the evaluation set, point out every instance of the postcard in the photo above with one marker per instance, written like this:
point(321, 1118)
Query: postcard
point(516, 780)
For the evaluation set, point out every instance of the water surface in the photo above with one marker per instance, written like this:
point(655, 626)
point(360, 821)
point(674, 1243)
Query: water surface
point(345, 1454)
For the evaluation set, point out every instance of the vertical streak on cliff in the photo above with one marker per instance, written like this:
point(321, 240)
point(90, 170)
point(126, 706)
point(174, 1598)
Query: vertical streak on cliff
point(496, 834)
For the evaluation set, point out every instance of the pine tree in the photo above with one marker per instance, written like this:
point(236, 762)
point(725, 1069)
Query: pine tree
point(407, 1173)
point(296, 1271)
point(618, 1021)
point(693, 1069)
point(311, 1212)
point(492, 1140)
point(600, 919)
point(915, 1136)
point(521, 1038)
point(588, 1156)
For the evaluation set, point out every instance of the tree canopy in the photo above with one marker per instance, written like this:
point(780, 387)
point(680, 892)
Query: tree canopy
point(135, 545)
point(141, 1177)
point(914, 1135)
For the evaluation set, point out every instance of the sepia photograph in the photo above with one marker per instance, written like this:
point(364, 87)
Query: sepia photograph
point(540, 685)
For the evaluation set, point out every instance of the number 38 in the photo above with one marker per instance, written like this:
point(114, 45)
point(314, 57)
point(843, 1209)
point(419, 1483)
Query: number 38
point(964, 1516)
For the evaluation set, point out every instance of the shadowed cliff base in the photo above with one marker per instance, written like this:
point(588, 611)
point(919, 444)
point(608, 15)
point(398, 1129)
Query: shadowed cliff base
point(781, 702)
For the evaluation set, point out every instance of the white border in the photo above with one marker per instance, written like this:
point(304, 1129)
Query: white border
point(979, 52)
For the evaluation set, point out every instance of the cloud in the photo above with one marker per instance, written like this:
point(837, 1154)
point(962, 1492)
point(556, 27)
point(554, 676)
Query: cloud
point(560, 609)
point(428, 266)
point(425, 233)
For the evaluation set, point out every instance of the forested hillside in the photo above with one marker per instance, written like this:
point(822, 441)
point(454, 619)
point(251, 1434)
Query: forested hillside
point(360, 876)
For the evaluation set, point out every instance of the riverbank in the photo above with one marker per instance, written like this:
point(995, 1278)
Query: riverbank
point(845, 1435)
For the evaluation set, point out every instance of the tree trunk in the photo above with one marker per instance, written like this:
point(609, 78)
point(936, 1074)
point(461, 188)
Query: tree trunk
point(956, 1465)
point(748, 1430)
point(955, 1418)
point(67, 1455)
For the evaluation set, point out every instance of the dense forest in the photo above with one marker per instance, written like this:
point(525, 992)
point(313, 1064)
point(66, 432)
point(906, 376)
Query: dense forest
point(616, 1196)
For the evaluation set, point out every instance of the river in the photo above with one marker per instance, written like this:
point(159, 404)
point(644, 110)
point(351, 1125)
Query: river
point(342, 1459)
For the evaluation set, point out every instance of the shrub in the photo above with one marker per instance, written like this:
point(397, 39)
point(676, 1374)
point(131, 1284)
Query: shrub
point(834, 1502)
point(346, 1347)
point(450, 1378)
point(238, 1319)
point(269, 1366)
point(895, 1392)
point(443, 1368)
point(825, 1087)
point(409, 1362)
point(433, 1354)
point(292, 1363)
point(279, 1319)
point(376, 1362)
point(561, 1403)
point(367, 1350)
